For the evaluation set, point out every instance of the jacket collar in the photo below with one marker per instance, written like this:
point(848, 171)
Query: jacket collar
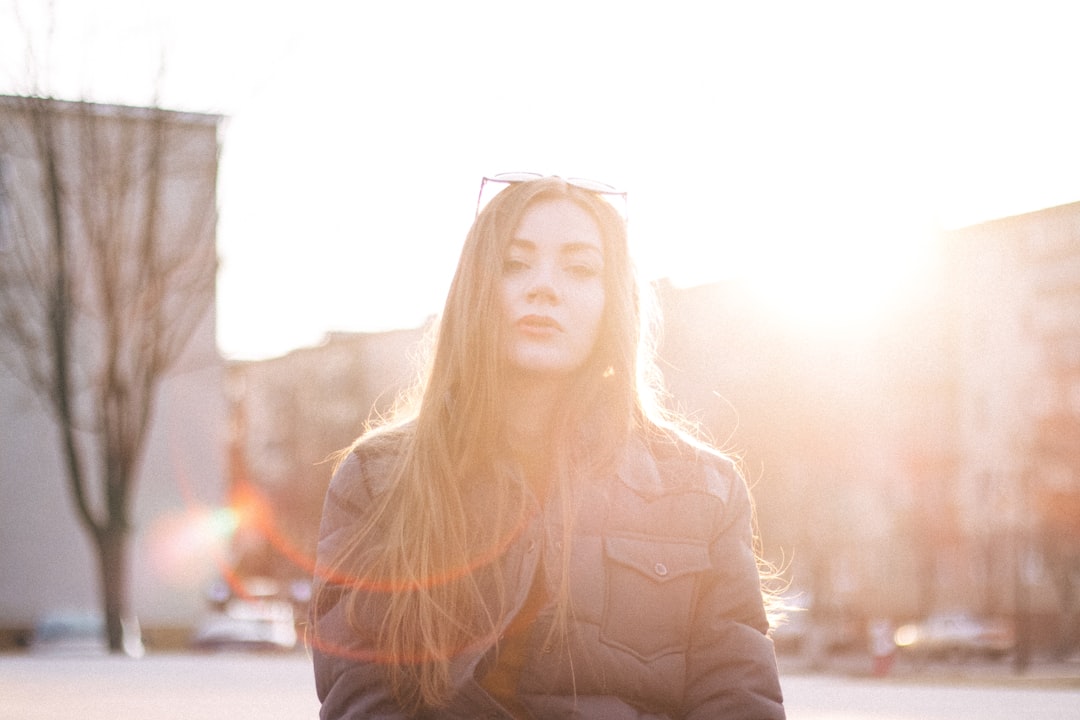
point(637, 469)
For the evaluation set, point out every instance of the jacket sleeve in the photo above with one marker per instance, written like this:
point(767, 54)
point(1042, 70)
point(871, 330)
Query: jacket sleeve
point(348, 681)
point(731, 664)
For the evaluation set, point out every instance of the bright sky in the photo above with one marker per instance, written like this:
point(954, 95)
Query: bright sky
point(810, 149)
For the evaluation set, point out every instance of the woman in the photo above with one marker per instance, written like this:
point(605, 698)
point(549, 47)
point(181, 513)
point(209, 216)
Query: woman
point(537, 539)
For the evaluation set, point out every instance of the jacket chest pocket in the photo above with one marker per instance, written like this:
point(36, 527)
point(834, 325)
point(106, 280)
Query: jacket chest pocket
point(649, 596)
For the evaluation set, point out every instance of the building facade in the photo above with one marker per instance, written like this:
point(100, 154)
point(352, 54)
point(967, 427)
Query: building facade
point(1015, 299)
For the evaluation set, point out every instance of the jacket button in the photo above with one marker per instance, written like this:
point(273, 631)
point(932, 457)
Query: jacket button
point(661, 569)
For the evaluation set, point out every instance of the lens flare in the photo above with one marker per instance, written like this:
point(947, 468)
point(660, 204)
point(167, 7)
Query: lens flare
point(181, 543)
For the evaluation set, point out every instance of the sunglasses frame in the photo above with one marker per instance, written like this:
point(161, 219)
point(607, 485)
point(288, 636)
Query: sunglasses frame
point(606, 191)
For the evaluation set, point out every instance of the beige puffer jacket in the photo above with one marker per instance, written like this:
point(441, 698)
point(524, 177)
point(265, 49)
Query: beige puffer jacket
point(668, 615)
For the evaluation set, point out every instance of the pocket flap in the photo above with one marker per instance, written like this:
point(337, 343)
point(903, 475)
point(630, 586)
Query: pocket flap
point(659, 560)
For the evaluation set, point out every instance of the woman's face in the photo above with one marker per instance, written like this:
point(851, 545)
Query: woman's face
point(552, 288)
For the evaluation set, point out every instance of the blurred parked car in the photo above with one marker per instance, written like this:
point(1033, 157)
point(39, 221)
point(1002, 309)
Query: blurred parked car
point(80, 633)
point(257, 615)
point(955, 636)
point(805, 626)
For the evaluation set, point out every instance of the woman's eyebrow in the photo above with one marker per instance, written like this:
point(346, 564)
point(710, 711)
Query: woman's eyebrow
point(567, 248)
point(522, 243)
point(572, 248)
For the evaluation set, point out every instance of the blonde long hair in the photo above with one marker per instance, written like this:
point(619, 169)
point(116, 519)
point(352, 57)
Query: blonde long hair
point(427, 556)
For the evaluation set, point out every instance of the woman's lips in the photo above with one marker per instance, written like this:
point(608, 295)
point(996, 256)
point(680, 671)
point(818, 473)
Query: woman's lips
point(539, 325)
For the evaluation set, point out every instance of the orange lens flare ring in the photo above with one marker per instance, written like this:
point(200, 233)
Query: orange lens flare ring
point(359, 583)
point(483, 559)
point(257, 513)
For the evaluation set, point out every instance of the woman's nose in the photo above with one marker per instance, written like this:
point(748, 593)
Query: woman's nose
point(542, 286)
point(542, 292)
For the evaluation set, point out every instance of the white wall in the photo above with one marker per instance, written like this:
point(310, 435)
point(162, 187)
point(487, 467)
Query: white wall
point(47, 562)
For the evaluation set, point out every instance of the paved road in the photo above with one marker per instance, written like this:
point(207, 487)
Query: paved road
point(157, 687)
point(267, 687)
point(811, 697)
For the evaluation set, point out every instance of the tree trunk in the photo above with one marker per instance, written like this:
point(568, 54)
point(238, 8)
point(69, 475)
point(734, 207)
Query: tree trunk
point(121, 629)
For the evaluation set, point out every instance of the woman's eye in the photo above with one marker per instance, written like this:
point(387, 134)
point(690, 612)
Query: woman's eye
point(583, 271)
point(514, 265)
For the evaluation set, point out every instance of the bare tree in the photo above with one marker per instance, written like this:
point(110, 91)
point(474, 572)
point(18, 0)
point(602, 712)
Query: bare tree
point(107, 268)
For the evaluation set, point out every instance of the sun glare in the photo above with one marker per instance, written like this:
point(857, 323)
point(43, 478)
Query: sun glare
point(842, 288)
point(845, 284)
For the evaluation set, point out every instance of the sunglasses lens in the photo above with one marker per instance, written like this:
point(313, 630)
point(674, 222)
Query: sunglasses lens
point(514, 177)
point(594, 186)
point(492, 186)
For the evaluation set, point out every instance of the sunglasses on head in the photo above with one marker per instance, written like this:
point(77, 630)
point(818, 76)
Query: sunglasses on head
point(490, 186)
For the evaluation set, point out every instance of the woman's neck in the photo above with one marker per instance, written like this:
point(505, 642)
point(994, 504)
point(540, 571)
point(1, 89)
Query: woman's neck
point(530, 407)
point(530, 411)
